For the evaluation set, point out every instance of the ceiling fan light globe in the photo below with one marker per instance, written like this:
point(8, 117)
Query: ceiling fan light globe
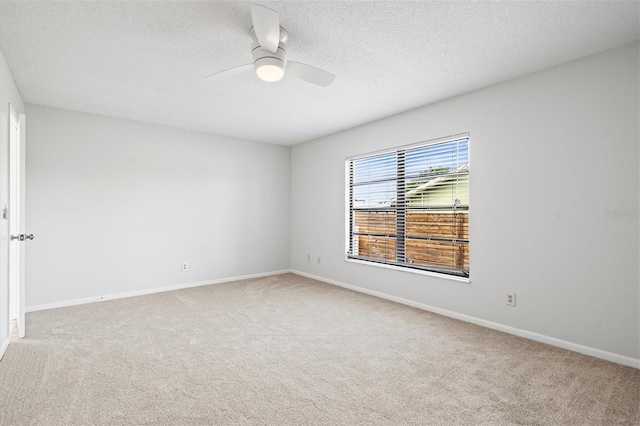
point(269, 69)
point(270, 73)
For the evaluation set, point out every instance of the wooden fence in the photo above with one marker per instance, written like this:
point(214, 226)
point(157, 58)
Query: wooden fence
point(438, 254)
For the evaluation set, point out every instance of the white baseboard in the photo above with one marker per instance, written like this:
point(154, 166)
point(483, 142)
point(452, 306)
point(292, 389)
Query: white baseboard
point(586, 350)
point(3, 347)
point(114, 296)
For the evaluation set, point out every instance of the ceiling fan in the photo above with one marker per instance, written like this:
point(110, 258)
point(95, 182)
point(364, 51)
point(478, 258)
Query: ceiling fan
point(270, 55)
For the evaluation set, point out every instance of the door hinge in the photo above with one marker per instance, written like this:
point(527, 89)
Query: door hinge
point(5, 212)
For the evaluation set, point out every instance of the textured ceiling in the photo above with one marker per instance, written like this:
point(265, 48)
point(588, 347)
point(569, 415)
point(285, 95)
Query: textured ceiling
point(147, 60)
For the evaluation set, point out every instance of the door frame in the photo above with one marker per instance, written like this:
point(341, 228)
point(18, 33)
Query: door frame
point(17, 218)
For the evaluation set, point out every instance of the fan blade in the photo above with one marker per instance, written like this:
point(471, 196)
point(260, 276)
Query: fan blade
point(266, 26)
point(311, 74)
point(230, 72)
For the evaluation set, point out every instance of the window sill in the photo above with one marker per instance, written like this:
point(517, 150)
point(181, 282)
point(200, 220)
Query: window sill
point(409, 270)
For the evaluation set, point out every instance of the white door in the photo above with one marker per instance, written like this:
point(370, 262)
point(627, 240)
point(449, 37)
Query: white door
point(18, 238)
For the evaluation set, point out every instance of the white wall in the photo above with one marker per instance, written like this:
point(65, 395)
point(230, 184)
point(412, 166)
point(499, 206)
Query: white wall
point(8, 95)
point(116, 206)
point(550, 153)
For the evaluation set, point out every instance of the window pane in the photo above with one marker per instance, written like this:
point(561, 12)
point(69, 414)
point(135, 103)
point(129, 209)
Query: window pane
point(374, 195)
point(445, 191)
point(375, 247)
point(372, 169)
point(375, 223)
point(451, 225)
point(438, 254)
point(434, 160)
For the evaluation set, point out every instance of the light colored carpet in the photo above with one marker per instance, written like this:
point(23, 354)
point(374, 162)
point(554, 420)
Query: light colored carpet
point(287, 350)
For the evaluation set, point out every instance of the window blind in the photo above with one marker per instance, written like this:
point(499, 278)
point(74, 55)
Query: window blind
point(409, 207)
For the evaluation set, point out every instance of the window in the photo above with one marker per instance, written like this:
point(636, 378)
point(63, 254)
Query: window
point(409, 207)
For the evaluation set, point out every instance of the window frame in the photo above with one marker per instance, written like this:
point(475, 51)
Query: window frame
point(400, 233)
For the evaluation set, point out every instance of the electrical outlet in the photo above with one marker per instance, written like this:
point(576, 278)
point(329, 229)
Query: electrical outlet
point(185, 266)
point(318, 261)
point(510, 299)
point(308, 258)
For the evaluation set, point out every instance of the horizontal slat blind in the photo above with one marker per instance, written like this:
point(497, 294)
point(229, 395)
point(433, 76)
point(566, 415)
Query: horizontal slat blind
point(410, 207)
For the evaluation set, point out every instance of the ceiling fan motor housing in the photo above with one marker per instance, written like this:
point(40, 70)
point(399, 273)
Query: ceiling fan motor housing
point(263, 57)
